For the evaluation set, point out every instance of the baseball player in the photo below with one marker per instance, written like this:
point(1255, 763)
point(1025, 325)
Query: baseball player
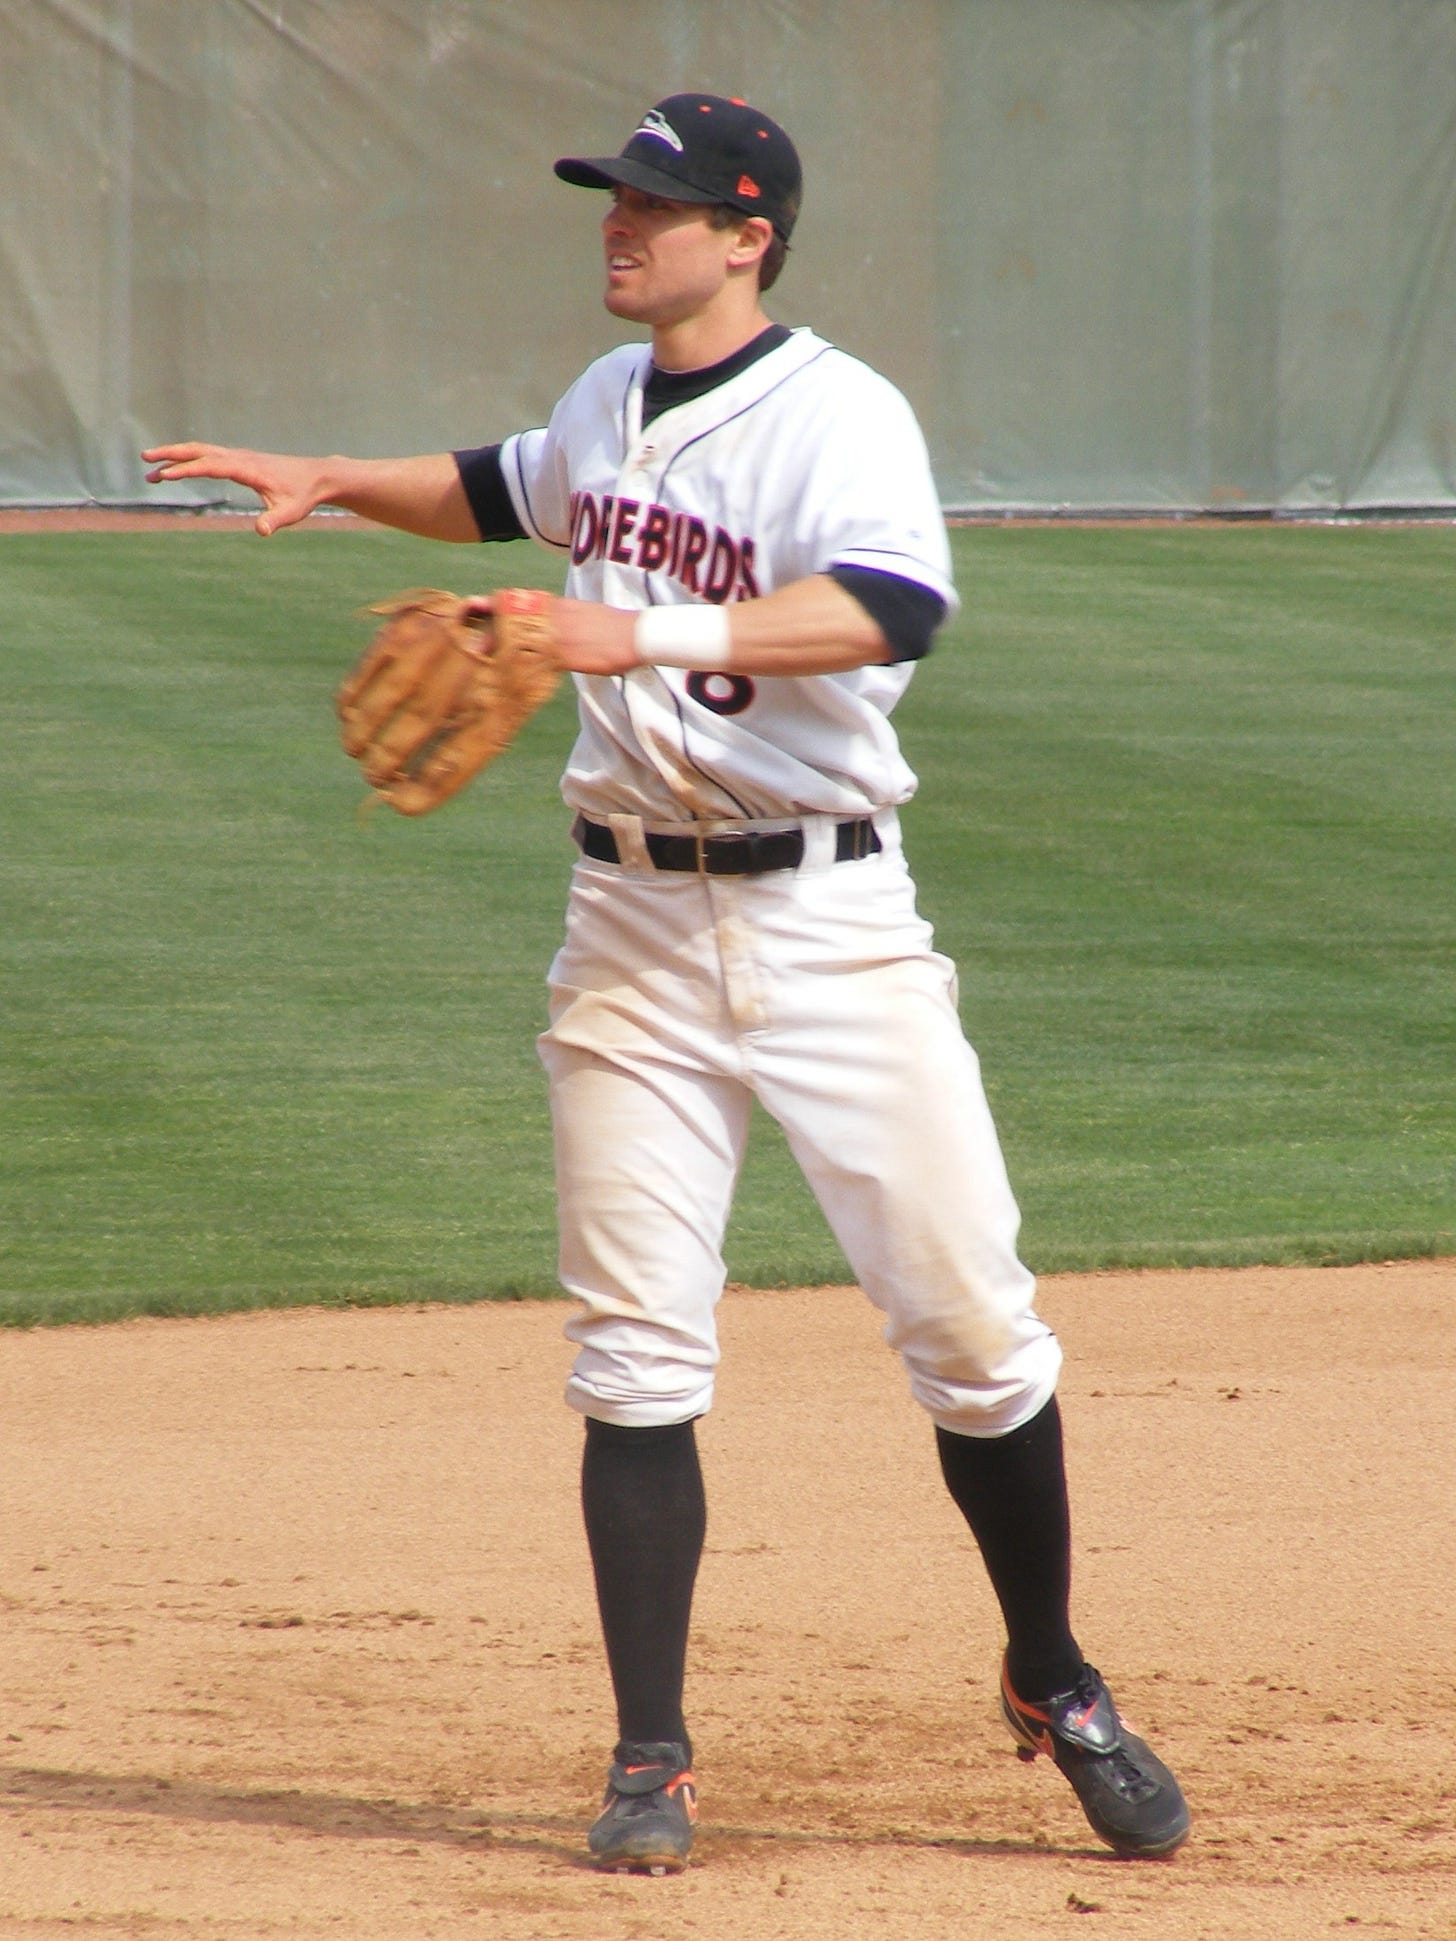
point(756, 560)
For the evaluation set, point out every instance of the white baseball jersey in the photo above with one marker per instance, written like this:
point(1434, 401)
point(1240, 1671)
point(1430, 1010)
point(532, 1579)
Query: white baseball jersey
point(804, 461)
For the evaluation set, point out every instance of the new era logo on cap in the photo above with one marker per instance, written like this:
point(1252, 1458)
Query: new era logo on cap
point(703, 148)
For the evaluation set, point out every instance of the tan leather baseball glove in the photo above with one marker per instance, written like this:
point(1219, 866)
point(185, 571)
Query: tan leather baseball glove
point(441, 690)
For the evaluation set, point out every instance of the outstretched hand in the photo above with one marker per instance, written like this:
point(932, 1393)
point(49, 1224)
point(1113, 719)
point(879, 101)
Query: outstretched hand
point(290, 488)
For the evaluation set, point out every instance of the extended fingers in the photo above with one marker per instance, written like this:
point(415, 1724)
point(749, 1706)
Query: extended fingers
point(186, 461)
point(159, 454)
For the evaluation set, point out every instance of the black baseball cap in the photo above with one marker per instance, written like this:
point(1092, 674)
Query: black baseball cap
point(703, 148)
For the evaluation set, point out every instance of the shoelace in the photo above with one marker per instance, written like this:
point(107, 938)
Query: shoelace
point(1131, 1781)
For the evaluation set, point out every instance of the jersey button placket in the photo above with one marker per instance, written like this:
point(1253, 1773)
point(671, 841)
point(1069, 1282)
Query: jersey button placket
point(635, 484)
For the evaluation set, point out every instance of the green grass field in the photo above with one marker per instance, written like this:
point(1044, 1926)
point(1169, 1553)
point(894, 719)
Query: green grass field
point(1187, 823)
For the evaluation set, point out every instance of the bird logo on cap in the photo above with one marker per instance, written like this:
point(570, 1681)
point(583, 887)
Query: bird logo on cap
point(655, 123)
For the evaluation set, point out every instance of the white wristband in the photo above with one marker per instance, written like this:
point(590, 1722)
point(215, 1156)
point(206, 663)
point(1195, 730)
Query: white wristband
point(695, 636)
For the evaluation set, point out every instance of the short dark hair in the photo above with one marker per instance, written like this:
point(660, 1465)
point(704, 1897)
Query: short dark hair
point(723, 215)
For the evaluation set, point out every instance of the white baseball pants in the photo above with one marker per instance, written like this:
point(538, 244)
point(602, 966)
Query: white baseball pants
point(675, 999)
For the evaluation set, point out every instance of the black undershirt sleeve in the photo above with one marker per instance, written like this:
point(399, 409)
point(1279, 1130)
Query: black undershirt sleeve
point(485, 487)
point(905, 612)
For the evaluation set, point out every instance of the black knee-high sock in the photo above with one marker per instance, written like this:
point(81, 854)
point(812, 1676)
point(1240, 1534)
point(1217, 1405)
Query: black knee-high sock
point(642, 1498)
point(1012, 1490)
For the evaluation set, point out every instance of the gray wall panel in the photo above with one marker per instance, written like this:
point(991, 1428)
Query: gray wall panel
point(1160, 254)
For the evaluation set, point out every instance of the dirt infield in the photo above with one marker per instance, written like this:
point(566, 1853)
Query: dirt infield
point(300, 1640)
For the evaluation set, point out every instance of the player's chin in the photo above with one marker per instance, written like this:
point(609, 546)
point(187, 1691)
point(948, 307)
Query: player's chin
point(623, 300)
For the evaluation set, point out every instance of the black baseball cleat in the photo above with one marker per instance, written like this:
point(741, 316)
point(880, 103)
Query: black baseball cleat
point(1131, 1799)
point(646, 1823)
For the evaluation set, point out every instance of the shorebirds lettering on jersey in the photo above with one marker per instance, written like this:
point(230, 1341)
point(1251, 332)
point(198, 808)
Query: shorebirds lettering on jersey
point(804, 461)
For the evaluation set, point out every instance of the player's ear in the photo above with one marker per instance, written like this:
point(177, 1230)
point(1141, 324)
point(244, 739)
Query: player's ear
point(750, 244)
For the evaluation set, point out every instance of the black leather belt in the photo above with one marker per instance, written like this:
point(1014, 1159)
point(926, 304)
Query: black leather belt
point(741, 852)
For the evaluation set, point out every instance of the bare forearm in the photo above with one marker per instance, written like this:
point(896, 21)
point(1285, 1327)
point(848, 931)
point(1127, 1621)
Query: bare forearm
point(419, 495)
point(811, 627)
